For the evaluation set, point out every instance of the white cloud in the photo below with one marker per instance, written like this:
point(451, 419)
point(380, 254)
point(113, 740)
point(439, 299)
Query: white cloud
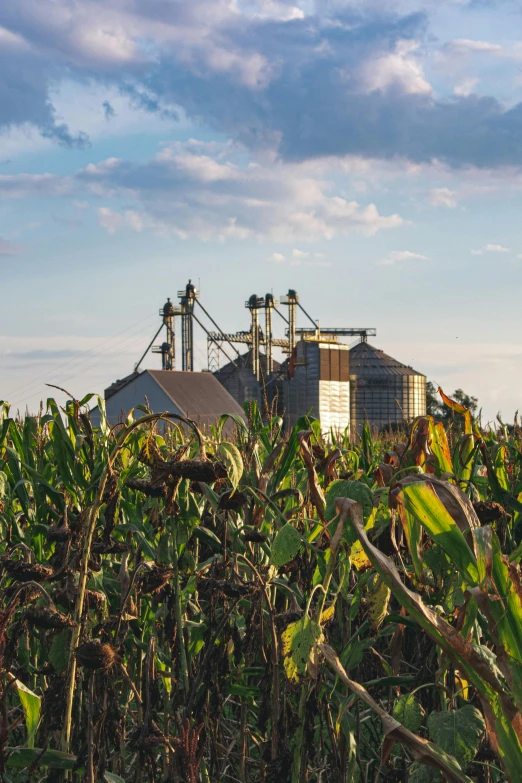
point(302, 258)
point(469, 46)
point(490, 248)
point(114, 221)
point(463, 48)
point(398, 69)
point(273, 9)
point(217, 195)
point(443, 197)
point(9, 39)
point(466, 87)
point(396, 256)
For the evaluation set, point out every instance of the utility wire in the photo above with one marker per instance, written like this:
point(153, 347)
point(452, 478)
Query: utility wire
point(103, 361)
point(80, 357)
point(100, 359)
point(67, 378)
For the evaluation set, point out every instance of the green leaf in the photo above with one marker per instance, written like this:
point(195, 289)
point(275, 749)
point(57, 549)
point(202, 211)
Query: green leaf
point(26, 757)
point(59, 651)
point(353, 654)
point(285, 545)
point(245, 691)
point(19, 488)
point(438, 444)
point(421, 500)
point(31, 704)
point(420, 773)
point(499, 461)
point(408, 711)
point(457, 732)
point(378, 601)
point(110, 777)
point(355, 490)
point(298, 639)
point(231, 456)
point(234, 417)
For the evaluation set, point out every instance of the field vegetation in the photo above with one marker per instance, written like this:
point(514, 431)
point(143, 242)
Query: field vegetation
point(239, 605)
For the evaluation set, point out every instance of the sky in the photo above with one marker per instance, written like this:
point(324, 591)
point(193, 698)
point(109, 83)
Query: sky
point(366, 153)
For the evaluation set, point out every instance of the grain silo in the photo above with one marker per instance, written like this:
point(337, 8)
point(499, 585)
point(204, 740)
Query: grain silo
point(383, 391)
point(239, 380)
point(319, 384)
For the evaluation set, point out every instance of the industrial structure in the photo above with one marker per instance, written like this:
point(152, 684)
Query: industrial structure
point(197, 395)
point(384, 392)
point(341, 385)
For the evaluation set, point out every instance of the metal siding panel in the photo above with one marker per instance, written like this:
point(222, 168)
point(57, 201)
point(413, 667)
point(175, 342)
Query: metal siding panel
point(137, 392)
point(334, 366)
point(324, 364)
point(344, 368)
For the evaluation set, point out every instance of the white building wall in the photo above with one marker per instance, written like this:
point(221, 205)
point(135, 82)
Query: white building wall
point(334, 406)
point(142, 390)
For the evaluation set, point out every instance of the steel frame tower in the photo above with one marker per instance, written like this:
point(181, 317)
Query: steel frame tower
point(187, 297)
point(254, 304)
point(292, 300)
point(270, 303)
point(167, 349)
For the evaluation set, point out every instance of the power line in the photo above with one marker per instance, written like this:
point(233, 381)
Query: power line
point(80, 357)
point(140, 338)
point(66, 378)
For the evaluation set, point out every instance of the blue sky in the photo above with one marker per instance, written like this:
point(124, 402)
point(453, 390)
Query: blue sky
point(367, 154)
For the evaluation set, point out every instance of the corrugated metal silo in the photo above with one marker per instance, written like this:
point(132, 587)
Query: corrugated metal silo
point(383, 391)
point(319, 384)
point(240, 381)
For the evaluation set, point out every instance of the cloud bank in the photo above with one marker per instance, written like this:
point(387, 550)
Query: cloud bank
point(208, 191)
point(338, 79)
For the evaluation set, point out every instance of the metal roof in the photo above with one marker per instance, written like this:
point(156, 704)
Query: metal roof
point(198, 395)
point(119, 384)
point(369, 361)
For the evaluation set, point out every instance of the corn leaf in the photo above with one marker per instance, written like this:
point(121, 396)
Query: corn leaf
point(20, 758)
point(31, 704)
point(394, 731)
point(233, 461)
point(420, 499)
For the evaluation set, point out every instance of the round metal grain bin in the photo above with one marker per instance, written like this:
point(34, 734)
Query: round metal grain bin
point(239, 380)
point(383, 392)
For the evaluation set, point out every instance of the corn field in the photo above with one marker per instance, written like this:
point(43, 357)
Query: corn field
point(246, 605)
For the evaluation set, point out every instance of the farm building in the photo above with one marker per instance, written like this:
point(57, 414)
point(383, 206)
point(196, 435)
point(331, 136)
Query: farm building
point(239, 380)
point(384, 392)
point(322, 376)
point(197, 395)
point(318, 383)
